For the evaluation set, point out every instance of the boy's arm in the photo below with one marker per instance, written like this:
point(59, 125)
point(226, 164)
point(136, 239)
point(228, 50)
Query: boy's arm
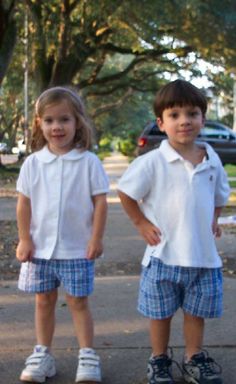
point(25, 248)
point(215, 226)
point(150, 233)
point(95, 245)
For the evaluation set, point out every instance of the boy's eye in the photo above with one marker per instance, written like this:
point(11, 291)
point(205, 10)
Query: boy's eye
point(194, 113)
point(174, 115)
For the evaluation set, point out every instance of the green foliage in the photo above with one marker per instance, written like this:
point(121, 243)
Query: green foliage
point(105, 144)
point(117, 54)
point(127, 147)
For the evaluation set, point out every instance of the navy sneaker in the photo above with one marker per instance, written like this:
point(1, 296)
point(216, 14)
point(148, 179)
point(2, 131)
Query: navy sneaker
point(202, 369)
point(159, 370)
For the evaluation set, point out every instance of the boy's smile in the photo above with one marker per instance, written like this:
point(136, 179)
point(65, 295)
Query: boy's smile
point(182, 125)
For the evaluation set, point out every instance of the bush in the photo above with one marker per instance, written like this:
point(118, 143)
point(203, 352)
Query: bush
point(105, 144)
point(127, 147)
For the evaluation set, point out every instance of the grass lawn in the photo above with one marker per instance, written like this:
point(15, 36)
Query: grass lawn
point(231, 170)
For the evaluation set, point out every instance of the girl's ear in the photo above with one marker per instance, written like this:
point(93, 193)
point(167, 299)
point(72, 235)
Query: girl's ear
point(37, 122)
point(160, 124)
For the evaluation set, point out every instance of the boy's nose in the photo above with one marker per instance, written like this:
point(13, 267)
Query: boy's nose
point(185, 119)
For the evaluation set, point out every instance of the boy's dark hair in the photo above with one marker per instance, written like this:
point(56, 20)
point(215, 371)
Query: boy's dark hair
point(179, 93)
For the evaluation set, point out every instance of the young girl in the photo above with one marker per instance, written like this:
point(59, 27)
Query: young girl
point(61, 214)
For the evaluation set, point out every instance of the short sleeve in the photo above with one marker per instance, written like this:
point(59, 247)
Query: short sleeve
point(222, 191)
point(136, 181)
point(98, 179)
point(23, 181)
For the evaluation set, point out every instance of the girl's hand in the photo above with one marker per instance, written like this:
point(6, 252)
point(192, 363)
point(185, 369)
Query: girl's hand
point(25, 250)
point(149, 232)
point(94, 249)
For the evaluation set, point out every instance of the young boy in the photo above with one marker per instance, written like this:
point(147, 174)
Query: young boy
point(174, 196)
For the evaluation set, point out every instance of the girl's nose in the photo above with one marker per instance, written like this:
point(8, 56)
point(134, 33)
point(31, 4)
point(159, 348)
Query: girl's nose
point(56, 125)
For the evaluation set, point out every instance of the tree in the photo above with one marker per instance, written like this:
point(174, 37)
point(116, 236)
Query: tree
point(112, 50)
point(8, 34)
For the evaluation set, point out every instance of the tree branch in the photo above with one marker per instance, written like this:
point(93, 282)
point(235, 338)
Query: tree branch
point(111, 106)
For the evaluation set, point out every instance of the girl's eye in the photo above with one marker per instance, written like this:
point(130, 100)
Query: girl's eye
point(174, 115)
point(47, 120)
point(65, 119)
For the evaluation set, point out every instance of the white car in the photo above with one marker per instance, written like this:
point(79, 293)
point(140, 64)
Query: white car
point(20, 150)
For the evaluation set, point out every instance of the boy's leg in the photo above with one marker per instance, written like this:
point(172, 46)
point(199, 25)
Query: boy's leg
point(82, 319)
point(159, 335)
point(193, 334)
point(45, 317)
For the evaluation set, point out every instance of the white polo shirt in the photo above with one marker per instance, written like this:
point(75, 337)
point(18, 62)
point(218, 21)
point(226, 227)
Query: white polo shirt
point(60, 189)
point(179, 199)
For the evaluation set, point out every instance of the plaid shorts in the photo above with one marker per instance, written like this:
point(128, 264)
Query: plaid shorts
point(165, 288)
point(39, 276)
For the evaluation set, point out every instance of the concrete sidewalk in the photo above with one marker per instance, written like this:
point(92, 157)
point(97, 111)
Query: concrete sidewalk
point(121, 333)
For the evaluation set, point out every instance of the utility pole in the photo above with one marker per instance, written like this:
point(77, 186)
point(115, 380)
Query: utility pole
point(234, 103)
point(26, 81)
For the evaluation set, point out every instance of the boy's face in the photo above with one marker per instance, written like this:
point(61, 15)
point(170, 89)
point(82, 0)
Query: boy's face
point(181, 124)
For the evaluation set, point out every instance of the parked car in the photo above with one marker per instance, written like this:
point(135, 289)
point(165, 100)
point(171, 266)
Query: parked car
point(218, 135)
point(20, 150)
point(4, 149)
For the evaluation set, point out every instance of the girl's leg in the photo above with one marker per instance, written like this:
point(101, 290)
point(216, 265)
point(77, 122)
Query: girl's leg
point(159, 334)
point(45, 317)
point(193, 333)
point(82, 319)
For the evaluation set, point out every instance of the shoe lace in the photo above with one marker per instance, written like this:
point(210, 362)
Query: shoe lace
point(161, 364)
point(206, 364)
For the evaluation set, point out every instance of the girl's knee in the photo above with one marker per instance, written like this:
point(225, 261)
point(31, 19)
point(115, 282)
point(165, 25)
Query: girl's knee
point(77, 303)
point(47, 299)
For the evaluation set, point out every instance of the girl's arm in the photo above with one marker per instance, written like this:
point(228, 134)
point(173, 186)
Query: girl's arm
point(25, 248)
point(149, 232)
point(95, 245)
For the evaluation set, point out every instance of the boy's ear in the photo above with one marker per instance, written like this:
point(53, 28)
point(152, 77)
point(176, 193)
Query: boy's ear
point(160, 124)
point(203, 121)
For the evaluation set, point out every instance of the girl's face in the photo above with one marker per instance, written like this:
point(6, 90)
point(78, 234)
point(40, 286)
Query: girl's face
point(58, 125)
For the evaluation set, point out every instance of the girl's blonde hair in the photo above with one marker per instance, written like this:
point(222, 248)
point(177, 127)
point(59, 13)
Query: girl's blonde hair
point(55, 95)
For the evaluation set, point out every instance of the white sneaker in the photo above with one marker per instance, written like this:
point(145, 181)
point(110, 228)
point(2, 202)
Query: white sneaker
point(38, 366)
point(89, 366)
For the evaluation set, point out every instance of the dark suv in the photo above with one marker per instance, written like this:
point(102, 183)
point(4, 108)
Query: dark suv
point(219, 136)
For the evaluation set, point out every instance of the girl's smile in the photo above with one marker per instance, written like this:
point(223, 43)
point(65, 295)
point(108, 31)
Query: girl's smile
point(58, 125)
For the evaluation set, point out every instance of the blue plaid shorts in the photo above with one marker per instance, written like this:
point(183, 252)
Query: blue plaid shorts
point(39, 276)
point(165, 288)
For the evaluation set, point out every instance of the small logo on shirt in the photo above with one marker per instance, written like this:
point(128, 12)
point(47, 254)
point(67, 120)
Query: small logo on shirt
point(211, 177)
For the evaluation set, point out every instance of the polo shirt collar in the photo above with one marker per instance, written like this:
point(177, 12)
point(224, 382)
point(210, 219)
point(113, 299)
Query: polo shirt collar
point(168, 152)
point(171, 155)
point(47, 156)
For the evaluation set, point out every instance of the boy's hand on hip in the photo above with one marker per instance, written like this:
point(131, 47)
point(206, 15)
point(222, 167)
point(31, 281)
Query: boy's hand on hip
point(149, 232)
point(94, 249)
point(216, 229)
point(25, 250)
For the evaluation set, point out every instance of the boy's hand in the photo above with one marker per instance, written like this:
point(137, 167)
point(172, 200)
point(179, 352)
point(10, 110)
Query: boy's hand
point(216, 229)
point(25, 250)
point(149, 232)
point(94, 249)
